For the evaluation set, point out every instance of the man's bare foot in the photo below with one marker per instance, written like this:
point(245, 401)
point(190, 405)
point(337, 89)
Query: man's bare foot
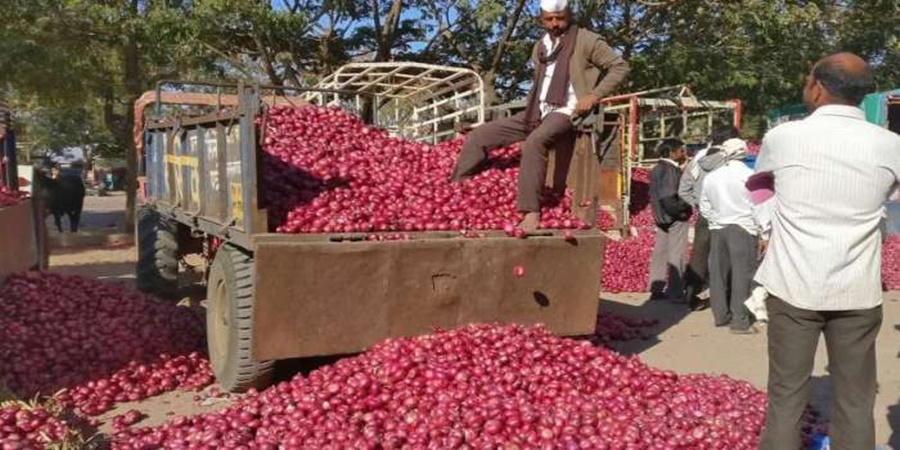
point(530, 222)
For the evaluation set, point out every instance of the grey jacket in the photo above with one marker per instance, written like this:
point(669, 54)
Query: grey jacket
point(689, 188)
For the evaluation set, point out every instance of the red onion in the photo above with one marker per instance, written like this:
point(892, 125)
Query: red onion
point(25, 427)
point(327, 172)
point(480, 386)
point(100, 342)
point(626, 262)
point(9, 197)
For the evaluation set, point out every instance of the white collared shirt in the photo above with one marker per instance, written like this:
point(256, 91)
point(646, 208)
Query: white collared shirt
point(833, 173)
point(725, 200)
point(547, 108)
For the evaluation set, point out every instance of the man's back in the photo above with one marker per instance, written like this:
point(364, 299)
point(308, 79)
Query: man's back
point(833, 173)
point(664, 179)
point(728, 198)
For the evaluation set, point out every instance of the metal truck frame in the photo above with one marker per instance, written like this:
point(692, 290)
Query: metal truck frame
point(623, 137)
point(276, 296)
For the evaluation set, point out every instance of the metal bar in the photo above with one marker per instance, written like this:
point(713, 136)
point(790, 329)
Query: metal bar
point(456, 98)
point(639, 93)
point(447, 116)
point(222, 169)
point(451, 87)
point(445, 80)
point(260, 87)
point(250, 102)
point(738, 111)
point(337, 75)
point(412, 78)
point(632, 147)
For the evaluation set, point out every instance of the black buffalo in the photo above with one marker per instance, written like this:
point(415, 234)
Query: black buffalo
point(63, 195)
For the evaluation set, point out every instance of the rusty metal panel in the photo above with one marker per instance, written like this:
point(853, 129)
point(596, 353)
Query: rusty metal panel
point(190, 166)
point(235, 204)
point(210, 203)
point(18, 242)
point(321, 298)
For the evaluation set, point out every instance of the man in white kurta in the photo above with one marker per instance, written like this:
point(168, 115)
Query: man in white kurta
point(833, 173)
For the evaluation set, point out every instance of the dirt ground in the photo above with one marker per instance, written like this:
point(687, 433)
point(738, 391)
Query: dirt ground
point(683, 342)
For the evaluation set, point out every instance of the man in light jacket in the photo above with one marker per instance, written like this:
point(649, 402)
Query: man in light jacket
point(725, 203)
point(833, 173)
point(696, 276)
point(574, 69)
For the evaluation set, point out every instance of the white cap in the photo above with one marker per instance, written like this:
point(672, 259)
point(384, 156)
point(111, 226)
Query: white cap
point(553, 6)
point(734, 147)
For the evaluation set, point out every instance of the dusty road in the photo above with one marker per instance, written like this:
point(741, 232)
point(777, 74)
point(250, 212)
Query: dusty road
point(686, 343)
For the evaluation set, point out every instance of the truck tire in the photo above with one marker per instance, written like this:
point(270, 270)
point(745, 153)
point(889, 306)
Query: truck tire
point(229, 323)
point(157, 266)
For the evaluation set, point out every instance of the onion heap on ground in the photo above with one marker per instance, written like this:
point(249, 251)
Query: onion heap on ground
point(99, 341)
point(480, 386)
point(30, 427)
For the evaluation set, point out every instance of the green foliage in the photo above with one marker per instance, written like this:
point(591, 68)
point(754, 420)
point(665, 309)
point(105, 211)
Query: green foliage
point(72, 67)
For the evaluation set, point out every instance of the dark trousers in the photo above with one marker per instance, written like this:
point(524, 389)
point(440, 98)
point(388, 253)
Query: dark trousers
point(696, 276)
point(732, 264)
point(554, 132)
point(850, 339)
point(667, 261)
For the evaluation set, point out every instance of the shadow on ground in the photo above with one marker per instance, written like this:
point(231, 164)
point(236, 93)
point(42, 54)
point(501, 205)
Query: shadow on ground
point(91, 221)
point(667, 313)
point(107, 271)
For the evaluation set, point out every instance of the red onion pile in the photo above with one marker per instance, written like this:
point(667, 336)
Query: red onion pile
point(890, 262)
point(327, 172)
point(32, 428)
point(626, 262)
point(100, 341)
point(641, 214)
point(9, 197)
point(480, 386)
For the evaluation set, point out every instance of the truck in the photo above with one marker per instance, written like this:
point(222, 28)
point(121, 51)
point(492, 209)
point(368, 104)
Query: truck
point(273, 296)
point(881, 108)
point(23, 236)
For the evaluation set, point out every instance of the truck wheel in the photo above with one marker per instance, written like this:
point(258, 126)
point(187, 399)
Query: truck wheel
point(229, 323)
point(157, 266)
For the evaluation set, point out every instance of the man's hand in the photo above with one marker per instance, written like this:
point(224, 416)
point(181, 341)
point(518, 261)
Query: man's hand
point(763, 246)
point(586, 104)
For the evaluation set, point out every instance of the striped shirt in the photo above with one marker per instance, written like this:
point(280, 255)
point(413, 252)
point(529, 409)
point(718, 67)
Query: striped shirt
point(833, 173)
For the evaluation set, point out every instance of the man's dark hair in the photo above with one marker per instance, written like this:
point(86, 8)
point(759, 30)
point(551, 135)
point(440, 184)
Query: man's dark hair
point(848, 87)
point(667, 146)
point(723, 133)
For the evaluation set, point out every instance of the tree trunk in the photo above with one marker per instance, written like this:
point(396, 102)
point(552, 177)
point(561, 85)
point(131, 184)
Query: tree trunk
point(132, 83)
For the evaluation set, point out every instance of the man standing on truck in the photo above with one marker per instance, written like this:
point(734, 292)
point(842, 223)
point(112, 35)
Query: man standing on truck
point(574, 69)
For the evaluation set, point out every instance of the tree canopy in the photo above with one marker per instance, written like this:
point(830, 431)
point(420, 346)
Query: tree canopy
point(71, 69)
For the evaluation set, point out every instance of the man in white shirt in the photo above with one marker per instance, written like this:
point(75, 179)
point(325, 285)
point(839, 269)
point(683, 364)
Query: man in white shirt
point(725, 203)
point(574, 69)
point(833, 173)
point(696, 276)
